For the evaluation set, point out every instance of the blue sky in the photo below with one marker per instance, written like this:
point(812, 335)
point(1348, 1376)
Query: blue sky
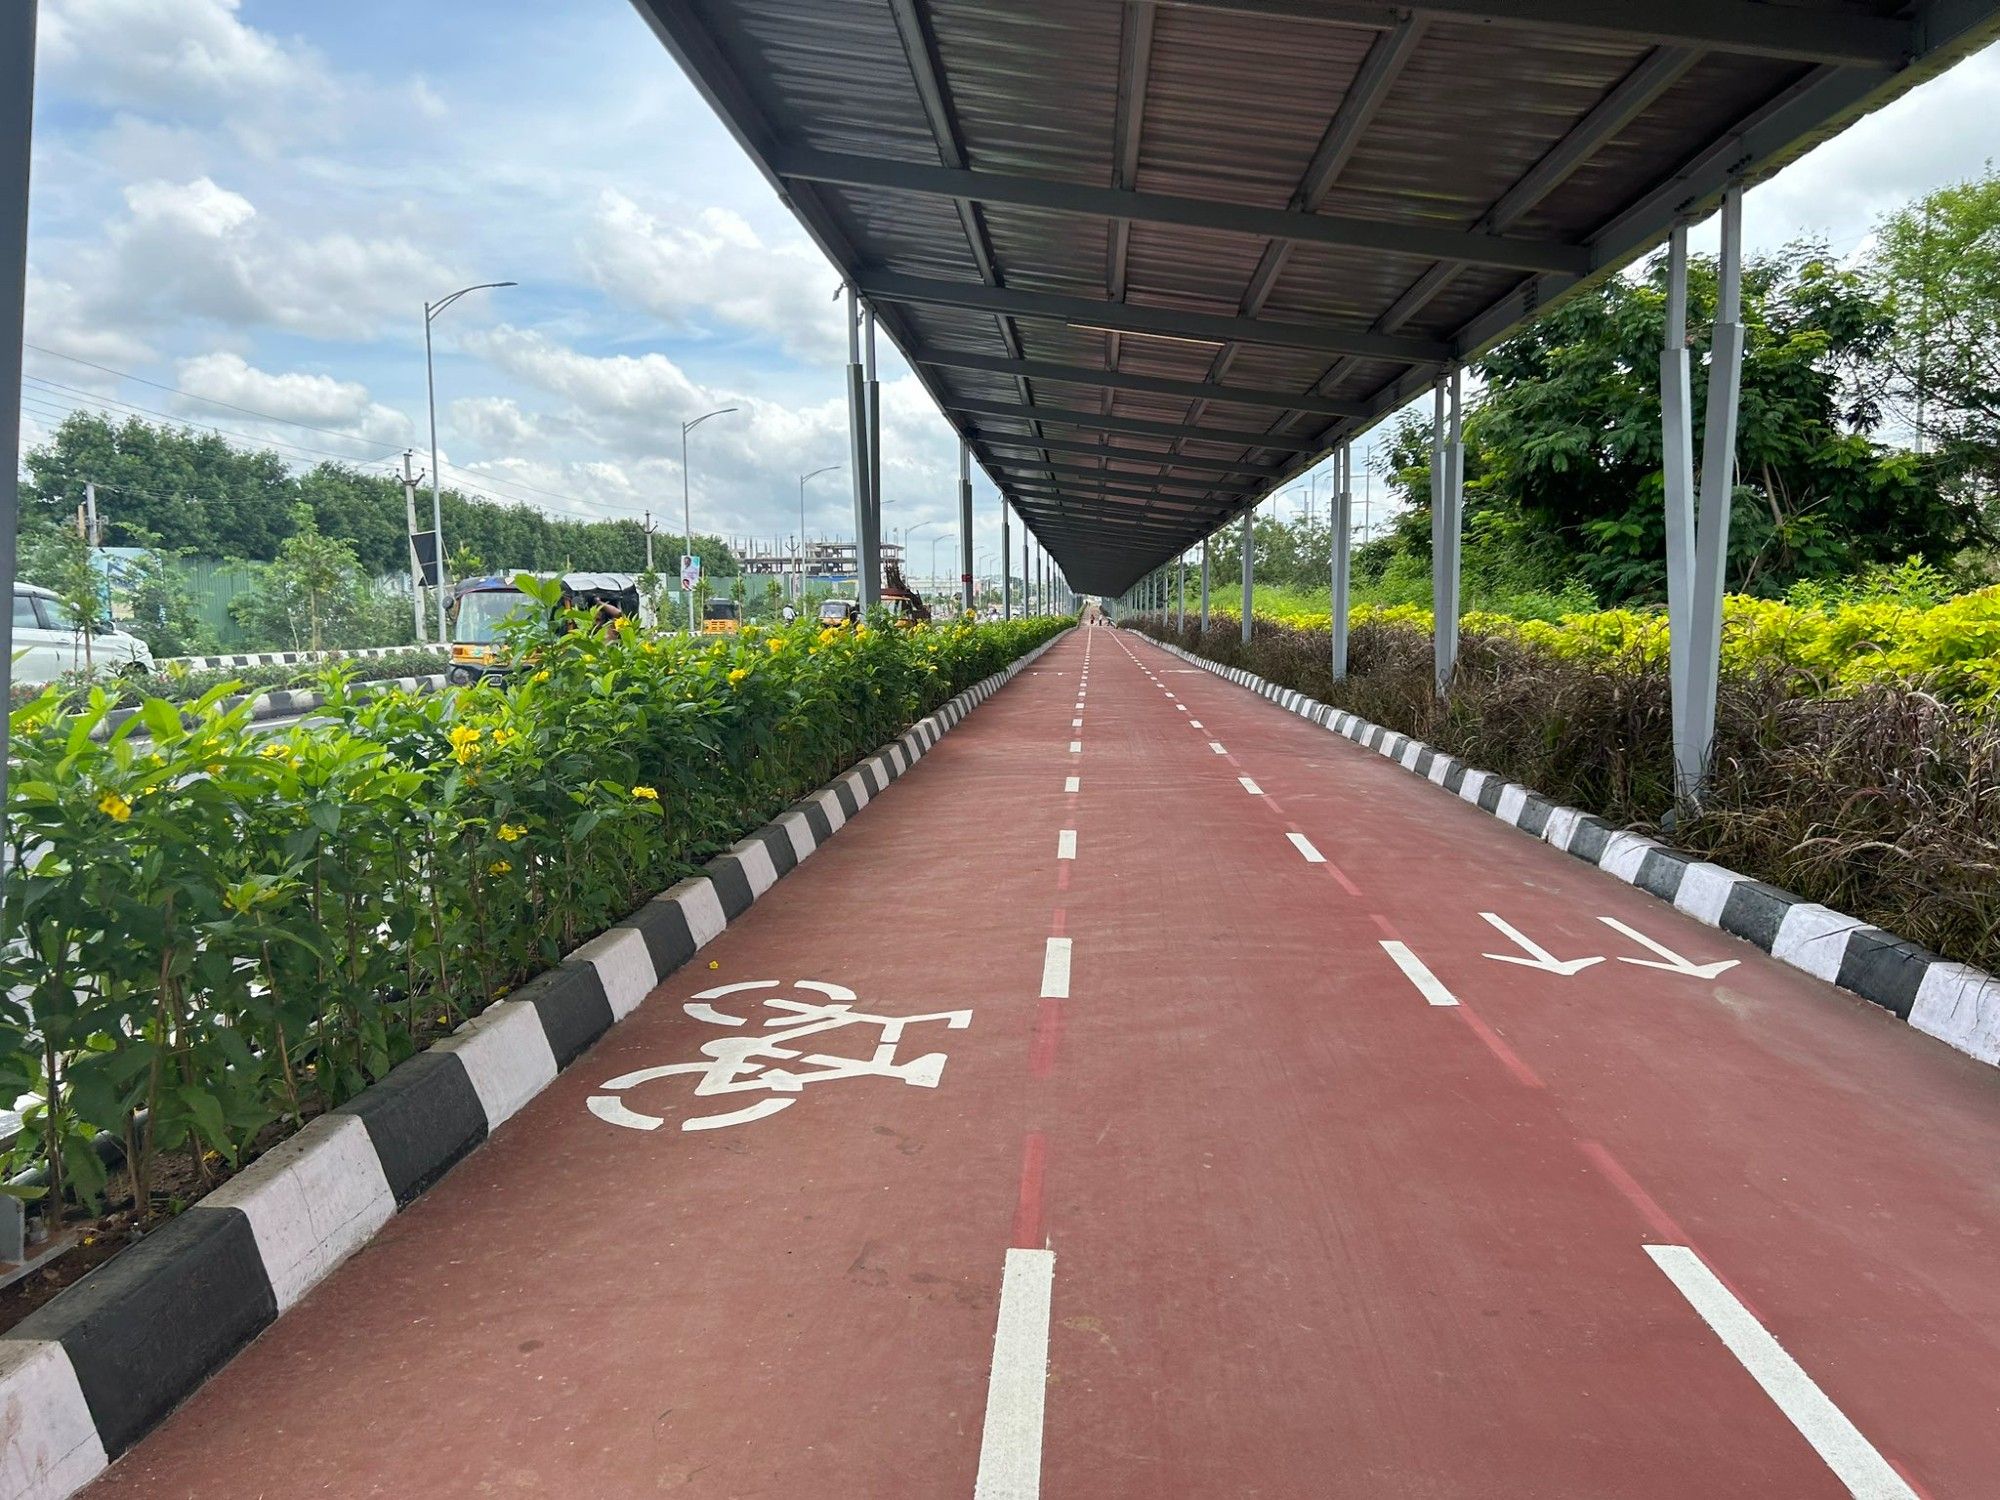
point(251, 200)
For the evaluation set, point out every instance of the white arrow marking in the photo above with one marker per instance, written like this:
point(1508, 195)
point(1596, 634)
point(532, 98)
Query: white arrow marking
point(1539, 957)
point(1674, 964)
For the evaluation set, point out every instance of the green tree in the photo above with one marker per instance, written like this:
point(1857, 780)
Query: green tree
point(315, 596)
point(54, 554)
point(1937, 262)
point(1564, 462)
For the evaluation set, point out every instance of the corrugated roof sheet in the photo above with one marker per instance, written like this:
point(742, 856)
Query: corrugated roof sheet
point(1426, 118)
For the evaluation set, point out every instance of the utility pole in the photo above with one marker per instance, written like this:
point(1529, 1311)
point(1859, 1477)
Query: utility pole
point(410, 541)
point(648, 524)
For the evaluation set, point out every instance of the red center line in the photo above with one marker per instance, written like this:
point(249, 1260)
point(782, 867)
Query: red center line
point(1383, 922)
point(1028, 1202)
point(1057, 920)
point(1047, 1037)
point(1508, 1057)
point(1062, 879)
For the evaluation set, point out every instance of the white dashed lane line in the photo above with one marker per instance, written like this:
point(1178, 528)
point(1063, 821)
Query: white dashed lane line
point(1304, 845)
point(1010, 1442)
point(1851, 1456)
point(1250, 786)
point(1055, 969)
point(1428, 984)
point(1076, 747)
point(1073, 784)
point(1216, 746)
point(1066, 844)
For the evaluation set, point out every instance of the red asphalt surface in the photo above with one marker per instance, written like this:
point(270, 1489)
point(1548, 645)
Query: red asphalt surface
point(1313, 1236)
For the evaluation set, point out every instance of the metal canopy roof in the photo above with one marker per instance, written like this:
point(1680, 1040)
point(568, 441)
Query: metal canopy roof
point(1154, 257)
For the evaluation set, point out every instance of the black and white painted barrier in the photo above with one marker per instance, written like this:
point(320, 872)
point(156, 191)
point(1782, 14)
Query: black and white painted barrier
point(285, 658)
point(288, 703)
point(1954, 1002)
point(85, 1377)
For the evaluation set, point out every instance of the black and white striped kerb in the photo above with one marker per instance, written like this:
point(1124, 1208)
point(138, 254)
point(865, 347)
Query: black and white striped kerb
point(283, 658)
point(86, 1376)
point(1954, 1002)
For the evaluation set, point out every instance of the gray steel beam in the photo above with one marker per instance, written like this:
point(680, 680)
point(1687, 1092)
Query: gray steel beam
point(1200, 328)
point(17, 116)
point(1152, 385)
point(927, 73)
point(1131, 426)
point(1084, 489)
point(1119, 476)
point(1420, 242)
point(990, 439)
point(1748, 27)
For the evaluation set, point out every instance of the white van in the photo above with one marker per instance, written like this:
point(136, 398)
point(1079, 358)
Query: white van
point(47, 642)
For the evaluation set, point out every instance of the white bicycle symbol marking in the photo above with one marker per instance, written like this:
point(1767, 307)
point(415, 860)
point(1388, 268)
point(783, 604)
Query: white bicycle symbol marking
point(754, 1063)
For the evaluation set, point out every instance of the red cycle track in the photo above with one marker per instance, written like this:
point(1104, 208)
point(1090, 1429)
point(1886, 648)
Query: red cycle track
point(1312, 1234)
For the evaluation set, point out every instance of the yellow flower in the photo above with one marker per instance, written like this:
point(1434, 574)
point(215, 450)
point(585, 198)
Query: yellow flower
point(541, 676)
point(464, 742)
point(737, 675)
point(498, 867)
point(215, 768)
point(274, 752)
point(646, 794)
point(114, 807)
point(503, 736)
point(510, 832)
point(775, 645)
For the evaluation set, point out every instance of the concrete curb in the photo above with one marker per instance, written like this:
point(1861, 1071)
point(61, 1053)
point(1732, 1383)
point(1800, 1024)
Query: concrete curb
point(1954, 1002)
point(282, 658)
point(86, 1376)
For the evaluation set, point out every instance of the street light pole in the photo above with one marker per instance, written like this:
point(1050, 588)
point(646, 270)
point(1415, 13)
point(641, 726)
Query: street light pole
point(431, 310)
point(802, 526)
point(687, 523)
point(942, 536)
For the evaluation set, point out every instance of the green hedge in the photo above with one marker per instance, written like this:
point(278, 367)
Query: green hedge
point(227, 930)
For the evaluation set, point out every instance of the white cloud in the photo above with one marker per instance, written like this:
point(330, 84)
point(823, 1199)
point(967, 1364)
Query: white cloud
point(200, 251)
point(187, 56)
point(714, 266)
point(310, 400)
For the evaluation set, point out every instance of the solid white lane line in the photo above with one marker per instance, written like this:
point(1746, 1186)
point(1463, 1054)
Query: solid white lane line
point(1066, 844)
point(1851, 1456)
point(1428, 985)
point(1304, 845)
point(1076, 747)
point(1216, 746)
point(1010, 1444)
point(1250, 786)
point(1055, 969)
point(1072, 783)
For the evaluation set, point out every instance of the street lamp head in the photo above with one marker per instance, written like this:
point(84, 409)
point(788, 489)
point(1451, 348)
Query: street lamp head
point(720, 411)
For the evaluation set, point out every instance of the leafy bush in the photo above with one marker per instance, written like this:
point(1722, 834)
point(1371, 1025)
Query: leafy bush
point(225, 930)
point(1834, 640)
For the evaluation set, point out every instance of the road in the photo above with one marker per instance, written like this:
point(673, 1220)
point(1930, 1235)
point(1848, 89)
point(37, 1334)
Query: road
point(1236, 1141)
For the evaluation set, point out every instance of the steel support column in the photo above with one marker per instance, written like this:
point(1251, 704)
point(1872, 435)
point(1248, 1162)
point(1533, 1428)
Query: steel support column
point(1027, 589)
point(965, 526)
point(857, 432)
point(1447, 519)
point(1249, 567)
point(1677, 449)
point(1180, 582)
point(17, 113)
point(1343, 547)
point(1718, 483)
point(1006, 567)
point(870, 563)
